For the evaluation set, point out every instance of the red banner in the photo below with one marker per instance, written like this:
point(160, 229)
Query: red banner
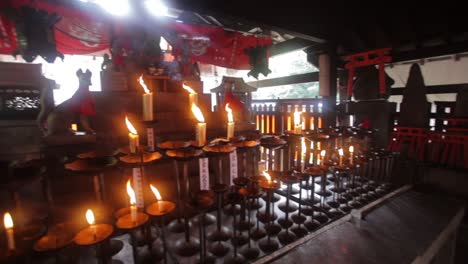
point(213, 45)
point(8, 42)
point(75, 35)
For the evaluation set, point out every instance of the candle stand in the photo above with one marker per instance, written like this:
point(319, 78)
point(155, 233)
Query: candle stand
point(268, 244)
point(157, 211)
point(202, 202)
point(255, 192)
point(337, 190)
point(180, 151)
point(237, 241)
point(323, 192)
point(299, 230)
point(250, 252)
point(316, 218)
point(53, 242)
point(286, 236)
point(92, 164)
point(188, 246)
point(356, 201)
point(219, 151)
point(255, 204)
point(243, 224)
point(221, 233)
point(97, 235)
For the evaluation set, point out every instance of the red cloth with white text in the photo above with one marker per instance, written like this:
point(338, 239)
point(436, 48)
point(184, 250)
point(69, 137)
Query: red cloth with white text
point(213, 45)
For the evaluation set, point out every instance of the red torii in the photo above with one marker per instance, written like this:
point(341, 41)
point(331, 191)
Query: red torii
point(372, 57)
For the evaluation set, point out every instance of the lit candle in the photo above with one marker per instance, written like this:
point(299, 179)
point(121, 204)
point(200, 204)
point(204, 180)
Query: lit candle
point(74, 127)
point(8, 222)
point(193, 96)
point(91, 222)
point(200, 131)
point(267, 176)
point(340, 151)
point(133, 207)
point(147, 101)
point(303, 152)
point(297, 123)
point(322, 156)
point(158, 198)
point(134, 140)
point(351, 152)
point(230, 124)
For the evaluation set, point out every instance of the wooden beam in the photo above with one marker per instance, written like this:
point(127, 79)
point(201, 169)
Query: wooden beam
point(427, 52)
point(289, 45)
point(294, 79)
point(434, 89)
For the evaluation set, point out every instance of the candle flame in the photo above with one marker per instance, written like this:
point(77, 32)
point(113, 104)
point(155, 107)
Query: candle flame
point(351, 149)
point(198, 113)
point(340, 151)
point(156, 192)
point(143, 84)
point(130, 127)
point(229, 113)
point(7, 220)
point(322, 153)
point(131, 193)
point(90, 217)
point(190, 90)
point(267, 176)
point(297, 118)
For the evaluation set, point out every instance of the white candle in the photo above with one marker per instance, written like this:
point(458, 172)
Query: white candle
point(74, 127)
point(303, 153)
point(351, 152)
point(230, 124)
point(148, 107)
point(133, 207)
point(8, 222)
point(322, 155)
point(297, 123)
point(200, 129)
point(133, 138)
point(147, 101)
point(340, 151)
point(200, 134)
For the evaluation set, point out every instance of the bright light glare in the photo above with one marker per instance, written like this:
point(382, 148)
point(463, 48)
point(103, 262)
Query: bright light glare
point(115, 7)
point(156, 7)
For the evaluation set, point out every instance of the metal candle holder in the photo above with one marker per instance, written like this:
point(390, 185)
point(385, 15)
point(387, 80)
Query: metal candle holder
point(157, 211)
point(94, 235)
point(268, 244)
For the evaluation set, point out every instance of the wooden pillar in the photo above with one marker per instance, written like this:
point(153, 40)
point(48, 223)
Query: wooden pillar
point(328, 85)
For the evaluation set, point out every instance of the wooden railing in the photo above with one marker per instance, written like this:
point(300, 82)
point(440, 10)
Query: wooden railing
point(440, 110)
point(277, 116)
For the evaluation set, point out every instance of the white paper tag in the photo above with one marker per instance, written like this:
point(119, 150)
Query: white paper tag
point(138, 187)
point(233, 165)
point(204, 174)
point(150, 138)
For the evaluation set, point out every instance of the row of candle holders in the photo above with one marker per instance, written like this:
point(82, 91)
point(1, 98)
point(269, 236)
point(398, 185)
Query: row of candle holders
point(257, 214)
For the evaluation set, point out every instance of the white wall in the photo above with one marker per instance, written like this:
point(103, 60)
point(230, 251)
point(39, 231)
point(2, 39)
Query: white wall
point(435, 72)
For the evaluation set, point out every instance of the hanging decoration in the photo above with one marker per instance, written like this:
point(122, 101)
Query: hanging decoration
point(213, 45)
point(258, 60)
point(35, 34)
